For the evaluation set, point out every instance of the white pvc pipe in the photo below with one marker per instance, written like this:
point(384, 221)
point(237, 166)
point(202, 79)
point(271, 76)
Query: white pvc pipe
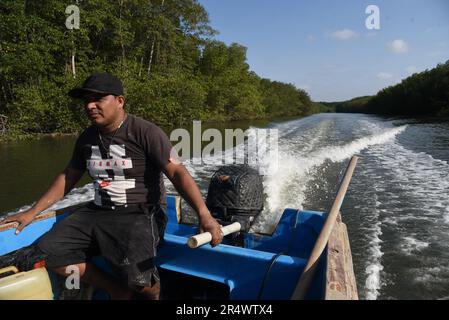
point(206, 237)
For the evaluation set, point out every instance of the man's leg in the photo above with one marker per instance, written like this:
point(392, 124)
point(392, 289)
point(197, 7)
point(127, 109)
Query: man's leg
point(90, 274)
point(150, 293)
point(128, 241)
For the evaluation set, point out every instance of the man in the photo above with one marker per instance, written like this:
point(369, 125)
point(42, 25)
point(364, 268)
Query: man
point(125, 156)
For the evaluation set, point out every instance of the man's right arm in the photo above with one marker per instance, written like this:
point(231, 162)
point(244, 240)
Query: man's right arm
point(63, 183)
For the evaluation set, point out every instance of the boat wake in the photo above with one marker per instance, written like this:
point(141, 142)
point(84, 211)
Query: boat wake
point(76, 196)
point(285, 185)
point(396, 208)
point(412, 211)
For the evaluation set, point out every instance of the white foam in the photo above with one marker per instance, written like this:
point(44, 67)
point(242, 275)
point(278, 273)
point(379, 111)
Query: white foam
point(446, 215)
point(76, 196)
point(340, 153)
point(373, 263)
point(417, 177)
point(413, 188)
point(285, 184)
point(430, 276)
point(412, 245)
point(373, 283)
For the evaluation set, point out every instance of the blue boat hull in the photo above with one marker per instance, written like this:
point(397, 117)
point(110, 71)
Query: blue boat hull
point(267, 267)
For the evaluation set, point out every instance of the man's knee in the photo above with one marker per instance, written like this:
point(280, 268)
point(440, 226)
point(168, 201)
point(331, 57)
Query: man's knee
point(69, 270)
point(150, 292)
point(60, 270)
point(50, 247)
point(45, 245)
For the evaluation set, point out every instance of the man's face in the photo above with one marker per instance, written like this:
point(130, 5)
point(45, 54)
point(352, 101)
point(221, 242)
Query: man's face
point(103, 110)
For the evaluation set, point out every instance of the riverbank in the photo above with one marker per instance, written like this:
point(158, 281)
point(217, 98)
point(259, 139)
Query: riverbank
point(204, 78)
point(422, 94)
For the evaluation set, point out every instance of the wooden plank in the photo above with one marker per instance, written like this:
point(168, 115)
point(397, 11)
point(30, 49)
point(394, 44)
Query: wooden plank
point(340, 278)
point(43, 216)
point(323, 239)
point(50, 214)
point(178, 208)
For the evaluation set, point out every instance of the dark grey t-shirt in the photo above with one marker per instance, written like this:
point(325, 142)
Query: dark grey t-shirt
point(132, 173)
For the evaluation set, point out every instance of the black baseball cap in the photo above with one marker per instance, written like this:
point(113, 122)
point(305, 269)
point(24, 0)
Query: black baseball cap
point(103, 83)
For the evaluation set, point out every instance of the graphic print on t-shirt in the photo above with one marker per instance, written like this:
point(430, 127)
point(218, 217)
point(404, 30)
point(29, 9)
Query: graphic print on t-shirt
point(110, 183)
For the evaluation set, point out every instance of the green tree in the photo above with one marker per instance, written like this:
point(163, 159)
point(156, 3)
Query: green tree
point(172, 68)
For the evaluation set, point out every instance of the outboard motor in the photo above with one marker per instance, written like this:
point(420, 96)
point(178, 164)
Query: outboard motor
point(235, 195)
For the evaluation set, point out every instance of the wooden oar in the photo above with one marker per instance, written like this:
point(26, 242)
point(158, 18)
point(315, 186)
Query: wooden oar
point(323, 238)
point(206, 237)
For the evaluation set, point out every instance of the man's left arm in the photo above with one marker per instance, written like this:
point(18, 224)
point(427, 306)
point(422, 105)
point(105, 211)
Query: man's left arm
point(188, 189)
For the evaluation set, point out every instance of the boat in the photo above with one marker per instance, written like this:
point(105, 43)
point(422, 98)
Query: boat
point(277, 266)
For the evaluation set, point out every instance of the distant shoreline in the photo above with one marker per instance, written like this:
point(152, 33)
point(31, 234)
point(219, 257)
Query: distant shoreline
point(206, 123)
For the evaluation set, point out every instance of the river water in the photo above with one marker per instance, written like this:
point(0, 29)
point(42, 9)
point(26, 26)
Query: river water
point(396, 208)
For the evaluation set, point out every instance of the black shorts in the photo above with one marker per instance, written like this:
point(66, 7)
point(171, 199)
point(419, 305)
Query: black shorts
point(126, 237)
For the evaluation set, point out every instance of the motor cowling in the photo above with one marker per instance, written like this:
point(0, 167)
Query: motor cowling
point(236, 194)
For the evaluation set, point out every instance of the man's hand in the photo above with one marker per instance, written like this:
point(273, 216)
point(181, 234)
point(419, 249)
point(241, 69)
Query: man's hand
point(188, 189)
point(23, 218)
point(209, 224)
point(63, 183)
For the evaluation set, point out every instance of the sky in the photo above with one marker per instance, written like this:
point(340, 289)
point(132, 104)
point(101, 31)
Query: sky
point(325, 47)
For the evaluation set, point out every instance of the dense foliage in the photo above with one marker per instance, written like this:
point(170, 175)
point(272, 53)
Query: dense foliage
point(163, 50)
point(324, 107)
point(425, 93)
point(354, 105)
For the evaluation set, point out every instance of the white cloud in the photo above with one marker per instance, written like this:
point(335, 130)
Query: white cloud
point(399, 46)
point(384, 75)
point(344, 34)
point(411, 69)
